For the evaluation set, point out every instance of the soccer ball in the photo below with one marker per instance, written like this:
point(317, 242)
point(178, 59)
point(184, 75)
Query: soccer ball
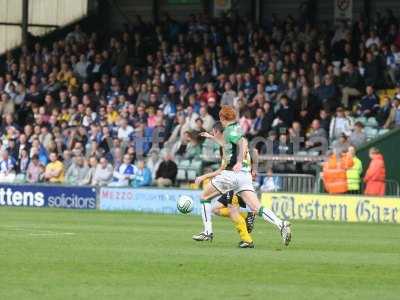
point(184, 204)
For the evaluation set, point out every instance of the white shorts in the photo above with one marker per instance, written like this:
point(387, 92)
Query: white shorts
point(233, 181)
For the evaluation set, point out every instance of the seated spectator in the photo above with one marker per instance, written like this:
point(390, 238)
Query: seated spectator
point(375, 177)
point(208, 121)
point(358, 136)
point(368, 106)
point(54, 171)
point(124, 130)
point(352, 83)
point(393, 120)
point(7, 167)
point(339, 125)
point(354, 173)
point(89, 178)
point(77, 172)
point(328, 93)
point(103, 174)
point(325, 120)
point(245, 122)
point(341, 145)
point(384, 111)
point(142, 175)
point(261, 124)
point(35, 170)
point(285, 113)
point(153, 161)
point(306, 106)
point(317, 138)
point(229, 95)
point(193, 148)
point(124, 173)
point(271, 183)
point(166, 172)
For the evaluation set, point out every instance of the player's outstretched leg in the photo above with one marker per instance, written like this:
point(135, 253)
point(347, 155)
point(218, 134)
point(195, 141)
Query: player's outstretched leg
point(268, 215)
point(206, 213)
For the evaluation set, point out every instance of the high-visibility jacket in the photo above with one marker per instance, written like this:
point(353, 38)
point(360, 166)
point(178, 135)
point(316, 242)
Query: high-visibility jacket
point(354, 175)
point(334, 174)
point(375, 177)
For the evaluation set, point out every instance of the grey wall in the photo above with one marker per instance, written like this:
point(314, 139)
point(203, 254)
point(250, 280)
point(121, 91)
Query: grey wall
point(282, 8)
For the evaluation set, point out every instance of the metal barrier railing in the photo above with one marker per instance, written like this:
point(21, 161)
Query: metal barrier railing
point(295, 183)
point(392, 188)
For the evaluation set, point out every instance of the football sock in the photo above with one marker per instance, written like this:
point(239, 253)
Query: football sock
point(243, 214)
point(206, 216)
point(269, 216)
point(224, 212)
point(240, 225)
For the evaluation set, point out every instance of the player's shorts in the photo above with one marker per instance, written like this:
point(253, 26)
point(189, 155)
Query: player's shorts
point(231, 198)
point(233, 181)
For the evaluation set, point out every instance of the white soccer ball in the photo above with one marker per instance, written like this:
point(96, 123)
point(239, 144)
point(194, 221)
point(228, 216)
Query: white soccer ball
point(184, 204)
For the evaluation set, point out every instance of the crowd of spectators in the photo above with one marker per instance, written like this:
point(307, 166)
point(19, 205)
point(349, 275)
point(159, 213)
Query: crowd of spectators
point(85, 109)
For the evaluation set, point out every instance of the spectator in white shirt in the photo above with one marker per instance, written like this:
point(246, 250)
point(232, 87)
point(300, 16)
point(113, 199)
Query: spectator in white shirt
point(103, 173)
point(7, 167)
point(339, 125)
point(373, 39)
point(125, 130)
point(124, 173)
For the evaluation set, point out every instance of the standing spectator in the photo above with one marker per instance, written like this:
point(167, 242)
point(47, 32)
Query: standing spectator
point(339, 125)
point(35, 170)
point(103, 173)
point(354, 173)
point(142, 175)
point(166, 172)
point(54, 171)
point(334, 173)
point(375, 176)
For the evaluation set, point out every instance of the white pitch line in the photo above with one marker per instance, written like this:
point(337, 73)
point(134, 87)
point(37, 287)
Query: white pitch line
point(52, 234)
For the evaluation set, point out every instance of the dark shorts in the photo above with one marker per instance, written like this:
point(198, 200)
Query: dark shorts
point(231, 198)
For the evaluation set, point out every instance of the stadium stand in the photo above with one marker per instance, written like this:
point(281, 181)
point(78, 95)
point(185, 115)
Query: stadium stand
point(92, 95)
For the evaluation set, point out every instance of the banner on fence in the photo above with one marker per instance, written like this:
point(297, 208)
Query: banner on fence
point(146, 200)
point(47, 196)
point(333, 208)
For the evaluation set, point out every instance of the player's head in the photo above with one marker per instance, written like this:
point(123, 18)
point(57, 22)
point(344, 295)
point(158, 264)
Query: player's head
point(227, 115)
point(218, 129)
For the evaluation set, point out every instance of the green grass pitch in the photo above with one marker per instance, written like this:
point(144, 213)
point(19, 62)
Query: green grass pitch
point(69, 254)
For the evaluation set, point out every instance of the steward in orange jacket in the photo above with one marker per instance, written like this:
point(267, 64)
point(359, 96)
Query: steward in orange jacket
point(376, 175)
point(334, 173)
